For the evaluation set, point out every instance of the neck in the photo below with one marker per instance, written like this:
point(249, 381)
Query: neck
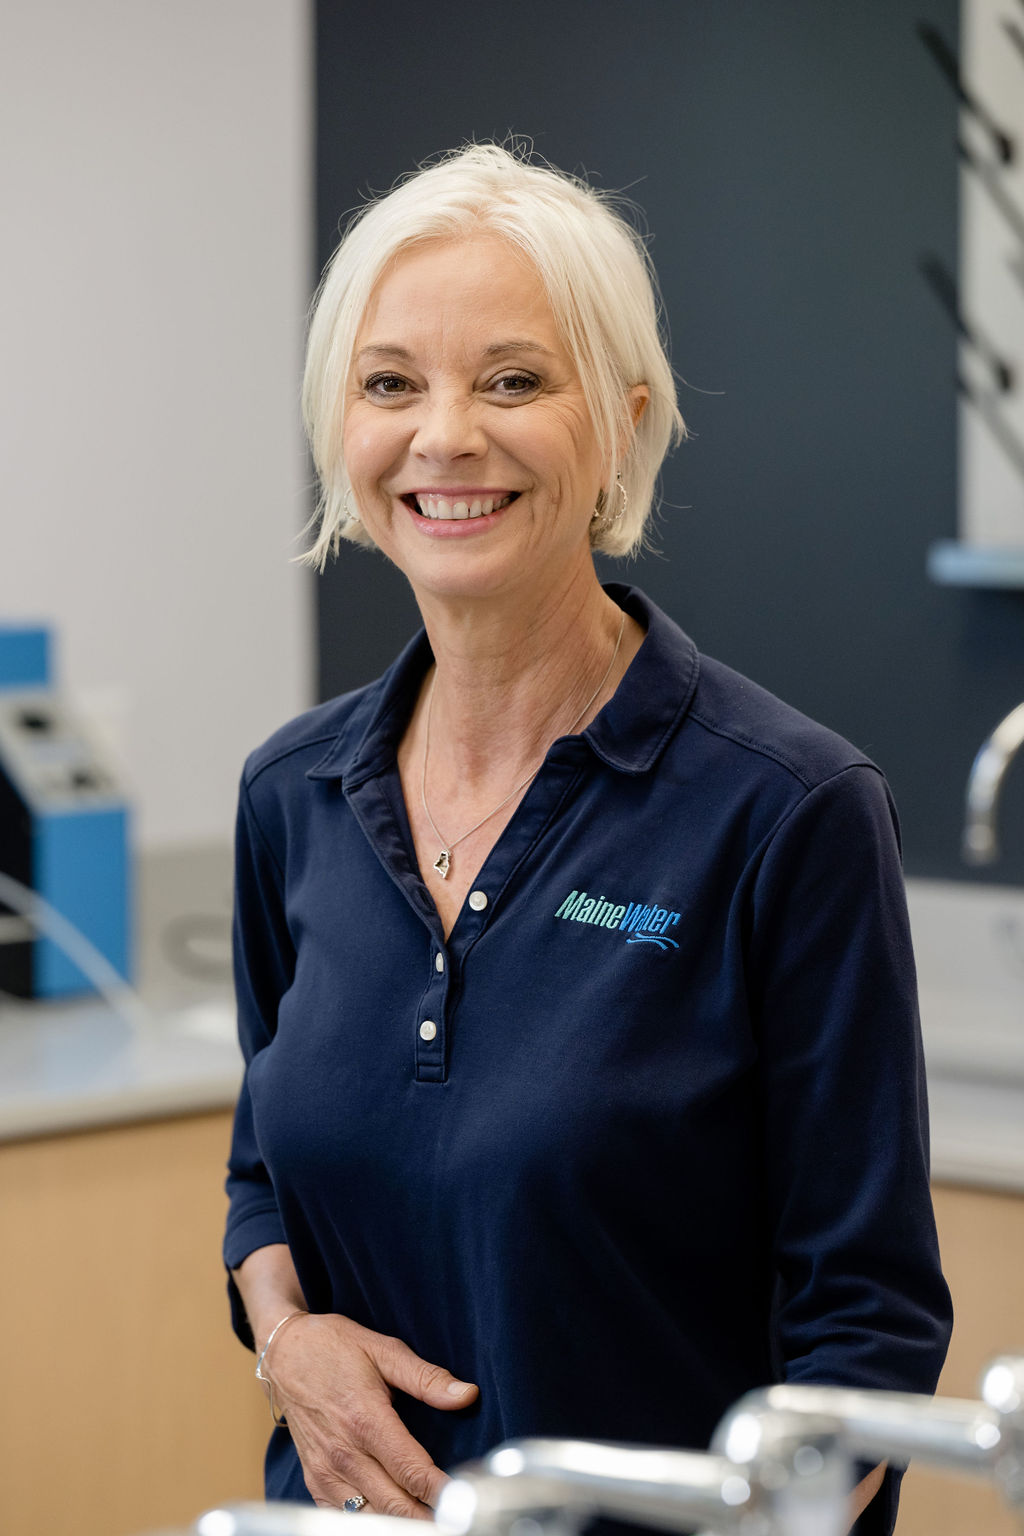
point(507, 684)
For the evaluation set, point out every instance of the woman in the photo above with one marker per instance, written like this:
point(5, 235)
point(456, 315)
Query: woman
point(584, 1083)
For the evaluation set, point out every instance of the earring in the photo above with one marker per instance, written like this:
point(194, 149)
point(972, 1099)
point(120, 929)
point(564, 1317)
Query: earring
point(350, 516)
point(600, 520)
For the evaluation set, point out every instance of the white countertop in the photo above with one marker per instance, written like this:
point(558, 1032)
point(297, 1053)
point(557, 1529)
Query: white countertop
point(969, 944)
point(71, 1066)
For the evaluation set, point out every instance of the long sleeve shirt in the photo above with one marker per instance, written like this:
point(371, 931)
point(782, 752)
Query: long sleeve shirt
point(648, 1129)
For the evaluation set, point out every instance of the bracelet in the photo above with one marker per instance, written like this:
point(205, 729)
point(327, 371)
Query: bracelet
point(277, 1418)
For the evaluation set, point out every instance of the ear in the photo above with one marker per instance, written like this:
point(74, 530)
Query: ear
point(637, 400)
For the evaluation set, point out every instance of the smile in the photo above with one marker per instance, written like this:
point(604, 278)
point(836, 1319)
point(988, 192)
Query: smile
point(456, 507)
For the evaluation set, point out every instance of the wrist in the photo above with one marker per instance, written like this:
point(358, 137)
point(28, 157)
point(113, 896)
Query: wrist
point(269, 1289)
point(271, 1322)
point(262, 1372)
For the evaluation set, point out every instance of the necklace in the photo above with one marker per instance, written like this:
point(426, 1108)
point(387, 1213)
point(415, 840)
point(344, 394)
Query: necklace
point(443, 862)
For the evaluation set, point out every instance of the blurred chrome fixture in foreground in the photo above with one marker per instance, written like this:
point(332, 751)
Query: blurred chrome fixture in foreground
point(780, 1465)
point(984, 1438)
point(980, 843)
point(798, 1481)
point(292, 1520)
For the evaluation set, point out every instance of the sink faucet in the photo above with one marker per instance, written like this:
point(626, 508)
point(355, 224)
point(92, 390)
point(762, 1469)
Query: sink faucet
point(795, 1480)
point(983, 1438)
point(980, 843)
point(779, 1465)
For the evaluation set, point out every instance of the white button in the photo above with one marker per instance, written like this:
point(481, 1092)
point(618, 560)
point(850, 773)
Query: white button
point(428, 1029)
point(477, 900)
point(439, 962)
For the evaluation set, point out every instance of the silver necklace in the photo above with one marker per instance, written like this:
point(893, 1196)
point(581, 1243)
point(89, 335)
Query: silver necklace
point(443, 862)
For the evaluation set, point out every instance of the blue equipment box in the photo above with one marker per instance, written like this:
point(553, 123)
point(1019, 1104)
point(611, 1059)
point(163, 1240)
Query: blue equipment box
point(64, 832)
point(24, 656)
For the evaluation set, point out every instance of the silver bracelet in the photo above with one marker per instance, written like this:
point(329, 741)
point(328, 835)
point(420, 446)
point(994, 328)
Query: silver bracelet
point(277, 1418)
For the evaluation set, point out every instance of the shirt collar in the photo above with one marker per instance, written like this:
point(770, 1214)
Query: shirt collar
point(629, 734)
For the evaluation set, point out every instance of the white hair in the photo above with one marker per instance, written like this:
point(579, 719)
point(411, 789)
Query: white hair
point(599, 282)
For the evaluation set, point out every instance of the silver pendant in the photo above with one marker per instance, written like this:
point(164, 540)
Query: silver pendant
point(443, 863)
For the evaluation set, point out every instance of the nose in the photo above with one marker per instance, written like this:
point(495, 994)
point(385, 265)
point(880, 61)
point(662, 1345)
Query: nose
point(448, 426)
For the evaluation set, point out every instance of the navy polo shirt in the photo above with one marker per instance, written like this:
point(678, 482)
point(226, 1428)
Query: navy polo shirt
point(649, 1128)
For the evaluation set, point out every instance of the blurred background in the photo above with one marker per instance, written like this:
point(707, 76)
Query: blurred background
point(174, 178)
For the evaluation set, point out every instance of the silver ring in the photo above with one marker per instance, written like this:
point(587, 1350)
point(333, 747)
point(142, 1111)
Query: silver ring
point(355, 1504)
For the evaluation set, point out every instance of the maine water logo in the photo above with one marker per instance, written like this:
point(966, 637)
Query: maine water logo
point(641, 923)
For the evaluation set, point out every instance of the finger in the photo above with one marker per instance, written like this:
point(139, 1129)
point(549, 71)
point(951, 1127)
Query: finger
point(375, 1456)
point(329, 1490)
point(366, 1476)
point(341, 1500)
point(432, 1384)
point(405, 1461)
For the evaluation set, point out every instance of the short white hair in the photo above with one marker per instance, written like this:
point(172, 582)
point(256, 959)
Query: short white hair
point(603, 294)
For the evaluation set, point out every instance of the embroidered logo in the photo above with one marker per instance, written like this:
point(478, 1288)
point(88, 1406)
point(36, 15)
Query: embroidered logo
point(642, 924)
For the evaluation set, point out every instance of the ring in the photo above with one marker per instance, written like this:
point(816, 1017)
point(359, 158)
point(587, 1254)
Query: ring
point(354, 1505)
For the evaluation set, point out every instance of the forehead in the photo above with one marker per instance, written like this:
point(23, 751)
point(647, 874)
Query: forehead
point(465, 291)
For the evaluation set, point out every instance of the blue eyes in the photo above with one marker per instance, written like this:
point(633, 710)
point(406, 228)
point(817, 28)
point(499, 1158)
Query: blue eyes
point(392, 386)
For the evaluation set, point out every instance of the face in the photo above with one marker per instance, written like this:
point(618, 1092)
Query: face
point(467, 440)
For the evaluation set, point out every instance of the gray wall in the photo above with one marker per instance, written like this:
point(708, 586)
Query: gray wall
point(795, 158)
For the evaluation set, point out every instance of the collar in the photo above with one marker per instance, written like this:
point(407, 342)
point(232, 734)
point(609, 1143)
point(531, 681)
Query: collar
point(629, 734)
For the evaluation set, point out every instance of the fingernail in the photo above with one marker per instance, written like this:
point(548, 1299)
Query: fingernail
point(457, 1388)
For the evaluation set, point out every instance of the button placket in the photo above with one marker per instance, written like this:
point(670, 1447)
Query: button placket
point(430, 1022)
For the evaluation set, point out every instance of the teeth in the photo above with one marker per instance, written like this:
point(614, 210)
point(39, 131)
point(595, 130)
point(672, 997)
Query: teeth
point(445, 509)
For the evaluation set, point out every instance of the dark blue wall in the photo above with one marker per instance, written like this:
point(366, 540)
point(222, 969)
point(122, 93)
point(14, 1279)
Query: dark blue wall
point(795, 159)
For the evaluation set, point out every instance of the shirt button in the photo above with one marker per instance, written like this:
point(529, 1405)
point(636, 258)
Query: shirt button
point(478, 900)
point(439, 962)
point(428, 1029)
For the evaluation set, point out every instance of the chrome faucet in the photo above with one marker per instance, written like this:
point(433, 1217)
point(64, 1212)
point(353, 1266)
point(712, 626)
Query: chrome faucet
point(980, 843)
point(780, 1464)
point(797, 1481)
point(985, 1439)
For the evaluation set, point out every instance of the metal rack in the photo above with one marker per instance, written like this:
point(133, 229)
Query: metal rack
point(986, 304)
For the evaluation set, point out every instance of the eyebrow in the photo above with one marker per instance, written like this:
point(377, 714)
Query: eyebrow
point(384, 351)
point(496, 349)
point(517, 346)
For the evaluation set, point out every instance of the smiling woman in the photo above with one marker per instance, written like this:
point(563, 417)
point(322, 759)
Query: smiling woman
point(574, 979)
point(461, 439)
point(599, 290)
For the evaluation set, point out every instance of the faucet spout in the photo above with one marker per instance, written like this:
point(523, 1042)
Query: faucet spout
point(980, 842)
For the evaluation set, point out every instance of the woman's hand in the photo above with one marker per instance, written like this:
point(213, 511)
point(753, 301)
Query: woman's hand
point(332, 1380)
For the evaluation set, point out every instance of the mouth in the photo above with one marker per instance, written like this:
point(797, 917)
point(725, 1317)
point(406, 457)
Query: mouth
point(456, 507)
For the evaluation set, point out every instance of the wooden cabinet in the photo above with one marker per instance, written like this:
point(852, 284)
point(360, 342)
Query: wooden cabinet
point(126, 1404)
point(982, 1238)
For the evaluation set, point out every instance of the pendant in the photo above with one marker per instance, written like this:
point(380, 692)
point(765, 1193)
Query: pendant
point(443, 863)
